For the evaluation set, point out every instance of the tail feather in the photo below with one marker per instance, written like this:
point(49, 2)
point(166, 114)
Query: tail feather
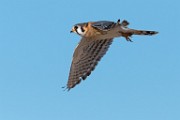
point(144, 32)
point(129, 32)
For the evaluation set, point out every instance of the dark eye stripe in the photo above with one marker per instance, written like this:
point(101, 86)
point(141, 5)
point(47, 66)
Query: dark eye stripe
point(82, 29)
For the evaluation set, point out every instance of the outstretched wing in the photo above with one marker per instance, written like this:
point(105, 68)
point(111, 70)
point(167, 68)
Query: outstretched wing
point(103, 25)
point(85, 58)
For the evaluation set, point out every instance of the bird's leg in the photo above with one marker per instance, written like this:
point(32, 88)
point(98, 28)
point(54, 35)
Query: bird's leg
point(127, 36)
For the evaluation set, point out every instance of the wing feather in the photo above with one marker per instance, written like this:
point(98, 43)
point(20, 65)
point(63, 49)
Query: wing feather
point(103, 25)
point(85, 58)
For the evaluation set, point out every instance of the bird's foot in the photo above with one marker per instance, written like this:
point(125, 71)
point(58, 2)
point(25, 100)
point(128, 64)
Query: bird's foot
point(128, 39)
point(127, 36)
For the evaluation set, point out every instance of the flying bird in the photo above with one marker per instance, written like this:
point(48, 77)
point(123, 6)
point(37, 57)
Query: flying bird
point(95, 41)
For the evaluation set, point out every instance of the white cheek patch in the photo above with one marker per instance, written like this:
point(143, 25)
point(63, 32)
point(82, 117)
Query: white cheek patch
point(80, 32)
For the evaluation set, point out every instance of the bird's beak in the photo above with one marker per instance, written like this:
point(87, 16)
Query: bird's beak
point(72, 30)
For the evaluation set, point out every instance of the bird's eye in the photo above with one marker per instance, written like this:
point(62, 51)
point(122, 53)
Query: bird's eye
point(75, 27)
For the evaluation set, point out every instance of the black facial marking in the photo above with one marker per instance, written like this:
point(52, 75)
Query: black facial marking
point(82, 29)
point(75, 27)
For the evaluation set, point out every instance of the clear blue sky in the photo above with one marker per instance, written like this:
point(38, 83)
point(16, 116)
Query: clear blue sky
point(134, 81)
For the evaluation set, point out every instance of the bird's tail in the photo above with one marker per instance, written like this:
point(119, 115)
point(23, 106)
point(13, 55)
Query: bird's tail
point(143, 32)
point(127, 33)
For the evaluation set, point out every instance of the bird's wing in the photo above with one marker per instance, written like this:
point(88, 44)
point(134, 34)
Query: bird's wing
point(103, 25)
point(85, 58)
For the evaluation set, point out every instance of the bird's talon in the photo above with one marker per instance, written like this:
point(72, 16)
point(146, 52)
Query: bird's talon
point(128, 39)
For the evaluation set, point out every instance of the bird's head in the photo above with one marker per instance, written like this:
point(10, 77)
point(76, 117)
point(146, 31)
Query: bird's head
point(80, 29)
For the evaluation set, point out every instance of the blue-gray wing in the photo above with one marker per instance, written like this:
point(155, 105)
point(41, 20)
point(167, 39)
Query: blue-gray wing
point(103, 25)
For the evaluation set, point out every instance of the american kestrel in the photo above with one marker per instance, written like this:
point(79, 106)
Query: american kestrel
point(95, 41)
